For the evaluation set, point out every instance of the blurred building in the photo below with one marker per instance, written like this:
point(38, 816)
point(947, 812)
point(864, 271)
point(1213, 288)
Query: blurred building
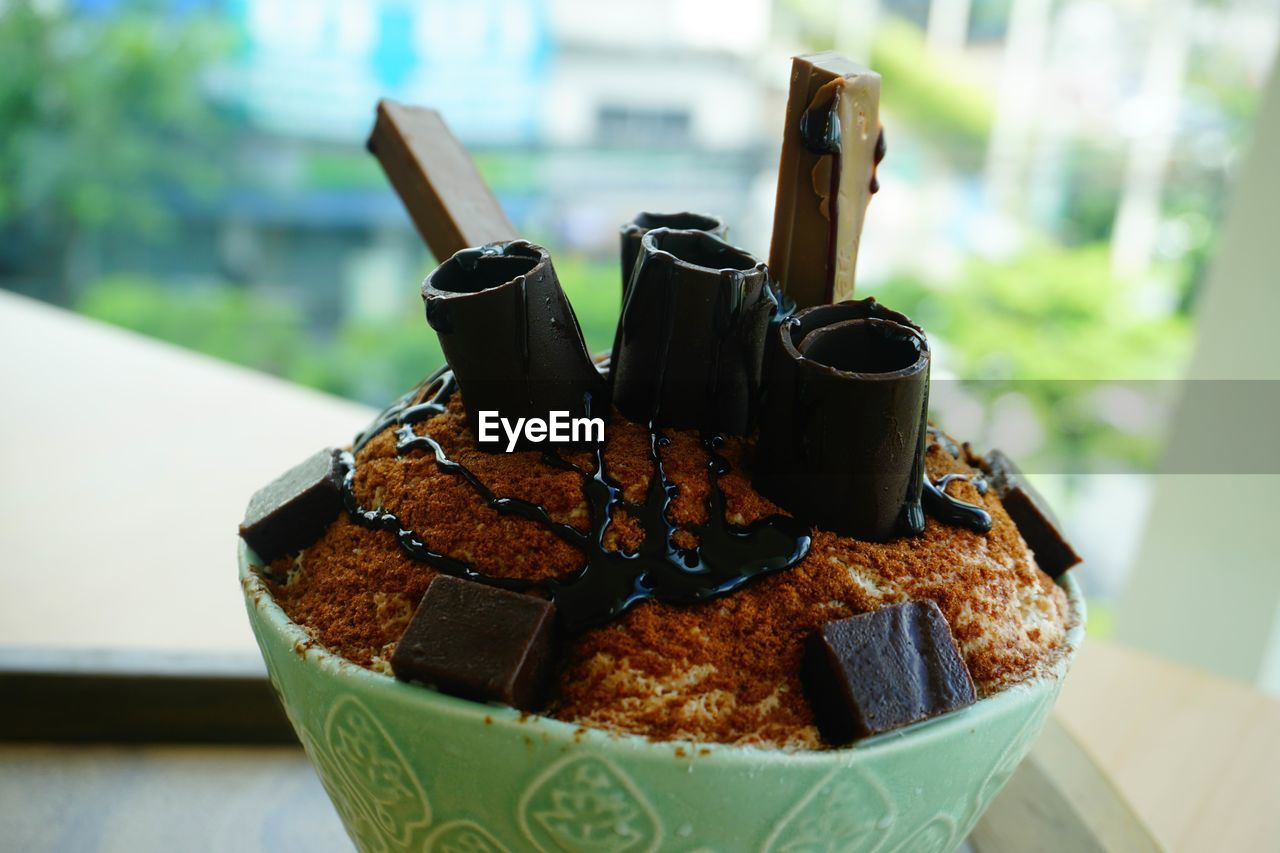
point(579, 115)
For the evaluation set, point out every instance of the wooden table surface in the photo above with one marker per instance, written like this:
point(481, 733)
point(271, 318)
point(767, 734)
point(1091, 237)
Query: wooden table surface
point(133, 461)
point(1197, 756)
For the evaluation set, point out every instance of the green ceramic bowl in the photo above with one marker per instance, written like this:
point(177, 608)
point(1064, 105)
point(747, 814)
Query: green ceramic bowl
point(412, 769)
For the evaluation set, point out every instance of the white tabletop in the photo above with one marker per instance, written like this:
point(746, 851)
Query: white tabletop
point(129, 463)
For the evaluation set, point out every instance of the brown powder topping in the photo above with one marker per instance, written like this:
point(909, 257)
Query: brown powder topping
point(725, 670)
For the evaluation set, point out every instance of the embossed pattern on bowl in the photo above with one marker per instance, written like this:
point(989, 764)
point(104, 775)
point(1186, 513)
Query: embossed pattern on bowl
point(411, 769)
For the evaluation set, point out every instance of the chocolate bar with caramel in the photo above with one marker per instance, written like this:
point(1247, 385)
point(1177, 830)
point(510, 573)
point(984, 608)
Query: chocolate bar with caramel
point(831, 145)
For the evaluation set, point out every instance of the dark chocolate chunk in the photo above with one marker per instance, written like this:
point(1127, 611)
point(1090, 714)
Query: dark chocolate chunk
point(842, 427)
point(293, 511)
point(1032, 515)
point(479, 642)
point(690, 343)
point(885, 669)
point(511, 337)
point(634, 231)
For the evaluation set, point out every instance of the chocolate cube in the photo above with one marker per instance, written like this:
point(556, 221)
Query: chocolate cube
point(479, 642)
point(877, 671)
point(293, 511)
point(1032, 515)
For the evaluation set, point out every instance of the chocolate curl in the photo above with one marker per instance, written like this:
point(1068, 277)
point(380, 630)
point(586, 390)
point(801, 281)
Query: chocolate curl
point(633, 232)
point(511, 336)
point(842, 431)
point(690, 343)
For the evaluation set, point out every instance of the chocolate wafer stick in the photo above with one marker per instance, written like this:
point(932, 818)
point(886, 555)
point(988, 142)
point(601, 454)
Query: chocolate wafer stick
point(447, 199)
point(831, 144)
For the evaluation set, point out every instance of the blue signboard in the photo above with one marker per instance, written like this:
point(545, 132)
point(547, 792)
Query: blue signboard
point(317, 67)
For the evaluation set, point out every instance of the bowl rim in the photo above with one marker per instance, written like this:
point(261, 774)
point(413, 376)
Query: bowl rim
point(293, 636)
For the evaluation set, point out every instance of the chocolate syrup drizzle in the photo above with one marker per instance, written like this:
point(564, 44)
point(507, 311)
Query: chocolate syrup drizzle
point(820, 134)
point(609, 582)
point(941, 505)
point(935, 501)
point(948, 510)
point(978, 481)
point(941, 438)
point(875, 165)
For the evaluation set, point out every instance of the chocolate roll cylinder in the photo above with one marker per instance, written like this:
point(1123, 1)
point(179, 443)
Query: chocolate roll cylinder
point(511, 336)
point(633, 232)
point(842, 430)
point(689, 347)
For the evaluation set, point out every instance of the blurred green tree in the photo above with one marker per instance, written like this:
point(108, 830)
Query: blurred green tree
point(1049, 313)
point(104, 128)
point(226, 322)
point(1050, 325)
point(937, 100)
point(362, 360)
